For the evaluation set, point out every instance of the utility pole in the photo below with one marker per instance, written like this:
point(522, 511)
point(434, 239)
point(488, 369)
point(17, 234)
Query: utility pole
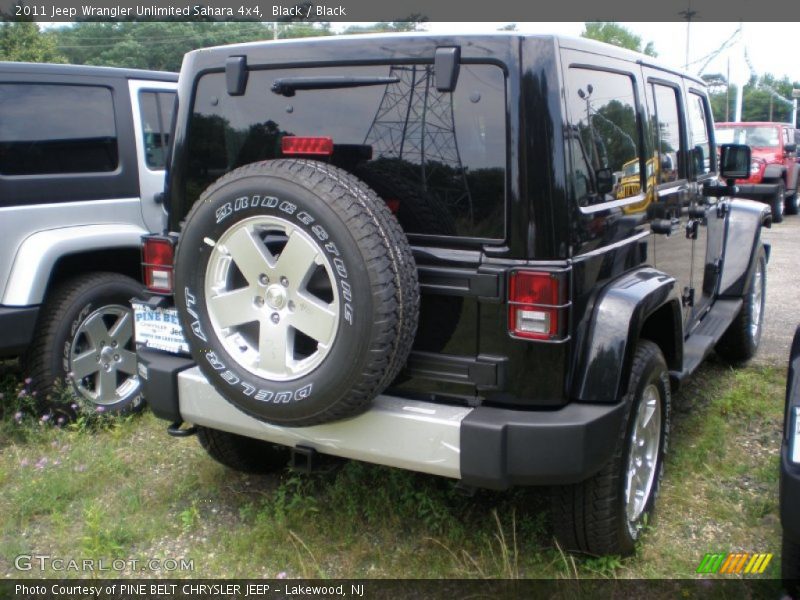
point(687, 14)
point(795, 96)
point(728, 91)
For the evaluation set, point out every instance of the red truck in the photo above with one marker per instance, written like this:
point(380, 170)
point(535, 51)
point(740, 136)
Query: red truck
point(774, 172)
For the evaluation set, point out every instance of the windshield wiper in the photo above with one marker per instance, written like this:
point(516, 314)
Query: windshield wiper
point(289, 85)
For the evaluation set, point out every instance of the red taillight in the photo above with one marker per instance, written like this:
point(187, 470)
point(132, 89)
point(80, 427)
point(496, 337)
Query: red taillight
point(158, 254)
point(306, 146)
point(393, 204)
point(536, 305)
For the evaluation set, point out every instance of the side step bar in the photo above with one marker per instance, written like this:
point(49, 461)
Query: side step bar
point(703, 339)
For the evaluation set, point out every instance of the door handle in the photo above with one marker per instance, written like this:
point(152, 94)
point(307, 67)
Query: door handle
point(665, 226)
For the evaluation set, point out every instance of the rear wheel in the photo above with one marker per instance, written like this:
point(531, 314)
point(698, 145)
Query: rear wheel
point(85, 340)
point(607, 513)
point(242, 453)
point(740, 341)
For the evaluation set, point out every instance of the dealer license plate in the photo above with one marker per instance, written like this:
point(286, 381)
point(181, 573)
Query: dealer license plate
point(159, 328)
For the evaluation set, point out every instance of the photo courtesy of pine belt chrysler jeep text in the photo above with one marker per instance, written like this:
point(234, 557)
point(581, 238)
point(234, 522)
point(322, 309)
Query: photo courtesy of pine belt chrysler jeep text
point(491, 258)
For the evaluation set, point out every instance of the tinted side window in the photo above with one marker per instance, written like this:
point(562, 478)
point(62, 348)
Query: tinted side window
point(54, 129)
point(156, 110)
point(667, 134)
point(437, 158)
point(603, 136)
point(701, 160)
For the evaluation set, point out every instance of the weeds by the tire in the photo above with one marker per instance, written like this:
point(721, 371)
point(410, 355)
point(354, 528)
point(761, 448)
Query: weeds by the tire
point(127, 490)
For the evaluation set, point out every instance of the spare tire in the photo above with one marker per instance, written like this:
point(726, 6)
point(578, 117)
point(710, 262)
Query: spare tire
point(297, 290)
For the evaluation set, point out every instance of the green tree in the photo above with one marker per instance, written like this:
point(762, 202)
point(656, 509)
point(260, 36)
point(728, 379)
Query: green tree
point(411, 24)
point(161, 45)
point(616, 34)
point(759, 103)
point(22, 41)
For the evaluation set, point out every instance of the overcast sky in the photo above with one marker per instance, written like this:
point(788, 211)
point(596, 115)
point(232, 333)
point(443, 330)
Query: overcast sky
point(771, 47)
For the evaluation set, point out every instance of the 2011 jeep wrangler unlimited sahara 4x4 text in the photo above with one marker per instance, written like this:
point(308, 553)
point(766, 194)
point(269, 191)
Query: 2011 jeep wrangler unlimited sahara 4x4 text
point(417, 251)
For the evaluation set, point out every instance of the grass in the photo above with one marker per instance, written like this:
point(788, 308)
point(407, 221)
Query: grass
point(121, 488)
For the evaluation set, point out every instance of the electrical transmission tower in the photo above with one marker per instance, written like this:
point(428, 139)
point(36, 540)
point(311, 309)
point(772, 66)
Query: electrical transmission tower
point(414, 124)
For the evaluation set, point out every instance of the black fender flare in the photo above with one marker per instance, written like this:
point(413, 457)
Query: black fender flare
point(620, 311)
point(774, 172)
point(745, 220)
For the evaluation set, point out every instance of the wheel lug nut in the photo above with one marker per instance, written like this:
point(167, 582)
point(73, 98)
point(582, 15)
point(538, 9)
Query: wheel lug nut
point(284, 282)
point(259, 301)
point(113, 344)
point(116, 357)
point(263, 279)
point(275, 318)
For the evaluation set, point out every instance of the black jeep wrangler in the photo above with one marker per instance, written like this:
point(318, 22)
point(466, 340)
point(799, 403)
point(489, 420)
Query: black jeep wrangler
point(491, 258)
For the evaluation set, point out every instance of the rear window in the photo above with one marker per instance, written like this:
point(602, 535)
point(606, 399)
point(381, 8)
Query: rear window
point(56, 129)
point(438, 158)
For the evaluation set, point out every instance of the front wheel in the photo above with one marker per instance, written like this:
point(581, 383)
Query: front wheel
point(778, 202)
point(607, 513)
point(792, 203)
point(740, 342)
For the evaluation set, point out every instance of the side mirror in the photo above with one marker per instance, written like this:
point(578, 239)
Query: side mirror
point(605, 180)
point(734, 161)
point(789, 148)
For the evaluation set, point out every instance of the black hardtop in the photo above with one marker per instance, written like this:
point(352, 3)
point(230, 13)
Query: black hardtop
point(500, 47)
point(49, 69)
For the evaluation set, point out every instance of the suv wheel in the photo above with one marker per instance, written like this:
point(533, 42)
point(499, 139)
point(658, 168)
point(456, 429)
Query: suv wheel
point(85, 336)
point(298, 290)
point(793, 201)
point(242, 453)
point(778, 203)
point(740, 341)
point(606, 513)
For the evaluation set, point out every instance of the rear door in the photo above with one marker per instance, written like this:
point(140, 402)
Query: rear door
point(673, 242)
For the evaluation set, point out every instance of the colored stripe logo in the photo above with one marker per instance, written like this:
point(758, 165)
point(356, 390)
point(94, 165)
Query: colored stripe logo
point(735, 563)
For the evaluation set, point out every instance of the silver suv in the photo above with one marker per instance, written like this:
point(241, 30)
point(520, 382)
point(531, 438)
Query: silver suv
point(82, 159)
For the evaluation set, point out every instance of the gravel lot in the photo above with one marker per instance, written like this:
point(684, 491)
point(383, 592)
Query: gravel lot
point(783, 291)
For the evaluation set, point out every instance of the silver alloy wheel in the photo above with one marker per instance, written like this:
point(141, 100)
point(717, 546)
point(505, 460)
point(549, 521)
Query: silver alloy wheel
point(643, 450)
point(272, 298)
point(102, 359)
point(757, 300)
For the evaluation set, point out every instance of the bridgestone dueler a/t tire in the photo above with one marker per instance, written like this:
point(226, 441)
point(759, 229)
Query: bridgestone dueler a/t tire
point(242, 453)
point(375, 277)
point(589, 517)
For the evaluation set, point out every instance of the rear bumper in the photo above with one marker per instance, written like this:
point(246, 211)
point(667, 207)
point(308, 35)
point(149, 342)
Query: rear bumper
point(17, 325)
point(484, 446)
